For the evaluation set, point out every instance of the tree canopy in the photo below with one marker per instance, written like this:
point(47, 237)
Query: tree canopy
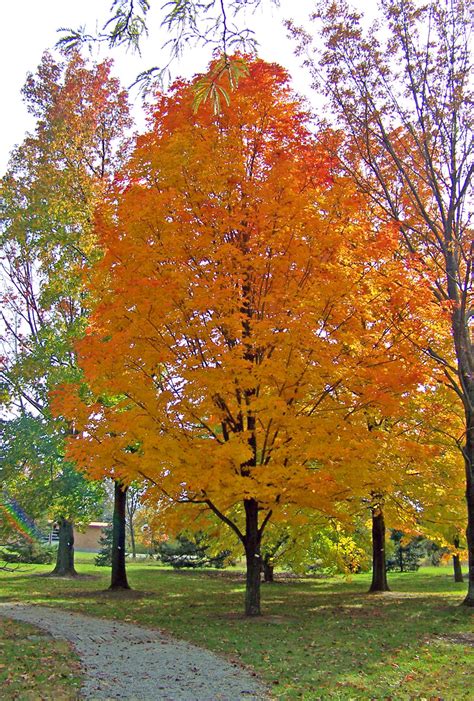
point(403, 98)
point(246, 316)
point(48, 196)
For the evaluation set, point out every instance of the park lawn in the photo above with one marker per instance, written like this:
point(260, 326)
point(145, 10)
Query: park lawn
point(35, 666)
point(318, 638)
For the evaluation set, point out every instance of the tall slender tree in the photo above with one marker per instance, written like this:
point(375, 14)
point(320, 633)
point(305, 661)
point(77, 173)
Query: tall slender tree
point(54, 181)
point(403, 97)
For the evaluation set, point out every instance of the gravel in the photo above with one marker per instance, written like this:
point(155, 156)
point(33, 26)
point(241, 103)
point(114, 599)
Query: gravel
point(125, 661)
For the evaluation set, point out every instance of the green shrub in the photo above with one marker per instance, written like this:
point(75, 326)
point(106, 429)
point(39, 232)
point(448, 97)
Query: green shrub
point(184, 552)
point(24, 552)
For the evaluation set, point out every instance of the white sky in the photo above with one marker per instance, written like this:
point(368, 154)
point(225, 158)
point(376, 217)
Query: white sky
point(28, 27)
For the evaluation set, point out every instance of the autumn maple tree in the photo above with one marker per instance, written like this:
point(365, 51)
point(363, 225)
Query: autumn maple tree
point(244, 316)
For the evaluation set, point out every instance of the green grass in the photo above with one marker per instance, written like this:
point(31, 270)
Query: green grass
point(317, 639)
point(35, 666)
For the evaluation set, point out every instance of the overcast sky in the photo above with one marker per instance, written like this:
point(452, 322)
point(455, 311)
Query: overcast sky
point(29, 27)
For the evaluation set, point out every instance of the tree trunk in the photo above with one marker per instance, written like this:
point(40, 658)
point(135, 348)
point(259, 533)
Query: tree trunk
point(132, 539)
point(119, 573)
point(457, 564)
point(131, 509)
point(65, 557)
point(400, 558)
point(253, 560)
point(379, 569)
point(267, 566)
point(469, 463)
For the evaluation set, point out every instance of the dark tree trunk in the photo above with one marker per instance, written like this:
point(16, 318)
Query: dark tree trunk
point(267, 566)
point(457, 569)
point(379, 569)
point(119, 573)
point(65, 557)
point(457, 564)
point(253, 560)
point(463, 345)
point(469, 463)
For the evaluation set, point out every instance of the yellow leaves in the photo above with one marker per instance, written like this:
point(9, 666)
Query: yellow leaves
point(251, 318)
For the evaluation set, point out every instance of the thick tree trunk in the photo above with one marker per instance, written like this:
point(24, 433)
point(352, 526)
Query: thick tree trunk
point(379, 570)
point(469, 463)
point(463, 346)
point(253, 560)
point(267, 567)
point(65, 557)
point(119, 573)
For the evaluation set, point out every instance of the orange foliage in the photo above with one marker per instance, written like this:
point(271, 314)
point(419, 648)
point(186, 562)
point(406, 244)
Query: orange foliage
point(250, 312)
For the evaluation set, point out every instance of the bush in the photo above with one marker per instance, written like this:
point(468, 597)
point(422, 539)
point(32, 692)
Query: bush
point(184, 552)
point(23, 552)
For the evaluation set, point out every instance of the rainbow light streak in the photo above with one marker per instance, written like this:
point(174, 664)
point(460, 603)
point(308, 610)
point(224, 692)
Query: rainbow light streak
point(17, 518)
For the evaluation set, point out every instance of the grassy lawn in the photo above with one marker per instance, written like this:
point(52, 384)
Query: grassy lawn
point(317, 639)
point(35, 666)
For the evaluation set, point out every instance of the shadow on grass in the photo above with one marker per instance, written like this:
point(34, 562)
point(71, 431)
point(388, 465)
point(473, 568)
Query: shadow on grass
point(110, 594)
point(318, 638)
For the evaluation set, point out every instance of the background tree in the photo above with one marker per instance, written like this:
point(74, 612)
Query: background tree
point(44, 484)
point(54, 181)
point(246, 324)
point(104, 556)
point(407, 553)
point(150, 528)
point(414, 480)
point(134, 496)
point(403, 98)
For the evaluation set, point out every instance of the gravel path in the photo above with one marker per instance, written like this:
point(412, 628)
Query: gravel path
point(124, 661)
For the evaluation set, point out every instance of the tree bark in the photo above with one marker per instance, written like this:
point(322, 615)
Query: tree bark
point(253, 559)
point(379, 569)
point(131, 508)
point(457, 569)
point(132, 541)
point(65, 557)
point(469, 464)
point(119, 573)
point(457, 564)
point(267, 567)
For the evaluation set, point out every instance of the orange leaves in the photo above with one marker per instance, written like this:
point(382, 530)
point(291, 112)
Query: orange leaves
point(248, 309)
